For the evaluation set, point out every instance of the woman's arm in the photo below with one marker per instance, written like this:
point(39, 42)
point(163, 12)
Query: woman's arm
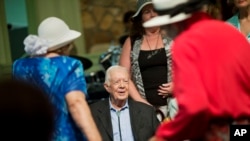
point(81, 114)
point(125, 62)
point(134, 94)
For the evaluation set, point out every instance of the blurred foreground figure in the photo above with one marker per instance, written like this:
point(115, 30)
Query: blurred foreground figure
point(25, 113)
point(61, 77)
point(211, 72)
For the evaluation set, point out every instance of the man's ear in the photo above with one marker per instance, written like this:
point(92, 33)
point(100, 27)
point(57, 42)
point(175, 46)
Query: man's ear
point(107, 87)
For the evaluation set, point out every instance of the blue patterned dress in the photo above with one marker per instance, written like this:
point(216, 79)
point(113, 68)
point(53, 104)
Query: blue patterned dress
point(56, 76)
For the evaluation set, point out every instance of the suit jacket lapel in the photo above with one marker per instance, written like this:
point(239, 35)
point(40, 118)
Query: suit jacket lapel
point(105, 118)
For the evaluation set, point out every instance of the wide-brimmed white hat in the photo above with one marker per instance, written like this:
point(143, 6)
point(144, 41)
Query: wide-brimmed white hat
point(167, 4)
point(166, 19)
point(53, 33)
point(56, 32)
point(139, 5)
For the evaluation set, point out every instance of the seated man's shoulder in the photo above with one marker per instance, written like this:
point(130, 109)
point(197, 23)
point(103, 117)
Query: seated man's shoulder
point(142, 105)
point(98, 103)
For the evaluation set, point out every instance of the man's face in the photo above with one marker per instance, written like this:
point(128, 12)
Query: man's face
point(118, 85)
point(242, 3)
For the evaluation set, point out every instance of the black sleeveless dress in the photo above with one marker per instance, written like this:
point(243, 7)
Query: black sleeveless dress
point(153, 67)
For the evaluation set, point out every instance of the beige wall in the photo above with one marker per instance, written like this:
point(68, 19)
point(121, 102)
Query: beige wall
point(102, 20)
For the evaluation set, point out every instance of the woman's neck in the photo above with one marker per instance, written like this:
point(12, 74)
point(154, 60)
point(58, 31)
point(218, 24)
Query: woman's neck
point(151, 33)
point(118, 104)
point(244, 13)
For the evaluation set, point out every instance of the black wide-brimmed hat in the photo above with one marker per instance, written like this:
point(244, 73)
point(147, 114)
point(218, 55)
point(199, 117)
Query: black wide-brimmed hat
point(139, 5)
point(87, 63)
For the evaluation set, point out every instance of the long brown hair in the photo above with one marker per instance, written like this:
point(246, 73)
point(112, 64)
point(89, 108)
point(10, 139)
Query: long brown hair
point(137, 30)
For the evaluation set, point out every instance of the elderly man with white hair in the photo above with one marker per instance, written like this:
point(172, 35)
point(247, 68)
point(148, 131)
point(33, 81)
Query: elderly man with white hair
point(119, 117)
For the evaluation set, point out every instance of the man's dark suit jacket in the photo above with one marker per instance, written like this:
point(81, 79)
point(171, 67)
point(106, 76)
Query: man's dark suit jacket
point(142, 116)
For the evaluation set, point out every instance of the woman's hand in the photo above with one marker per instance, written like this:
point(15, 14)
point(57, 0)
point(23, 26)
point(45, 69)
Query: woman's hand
point(166, 89)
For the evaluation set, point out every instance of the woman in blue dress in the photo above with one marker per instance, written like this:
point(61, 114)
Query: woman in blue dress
point(61, 77)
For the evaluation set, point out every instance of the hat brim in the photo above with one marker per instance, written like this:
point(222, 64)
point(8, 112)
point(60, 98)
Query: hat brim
point(69, 37)
point(139, 10)
point(165, 20)
point(167, 4)
point(87, 63)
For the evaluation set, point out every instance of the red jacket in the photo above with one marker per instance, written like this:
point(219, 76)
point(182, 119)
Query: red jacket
point(211, 66)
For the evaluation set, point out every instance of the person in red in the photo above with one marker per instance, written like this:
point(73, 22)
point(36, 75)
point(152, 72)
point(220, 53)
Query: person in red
point(211, 76)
